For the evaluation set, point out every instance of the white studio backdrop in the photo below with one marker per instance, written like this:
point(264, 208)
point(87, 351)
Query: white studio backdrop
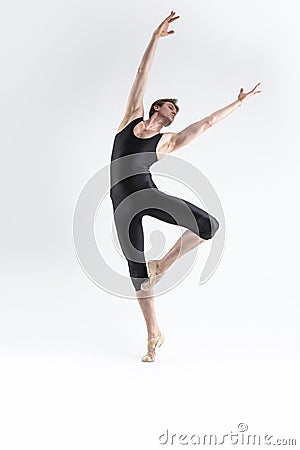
point(70, 353)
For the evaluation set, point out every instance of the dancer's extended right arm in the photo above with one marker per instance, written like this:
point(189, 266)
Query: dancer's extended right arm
point(135, 99)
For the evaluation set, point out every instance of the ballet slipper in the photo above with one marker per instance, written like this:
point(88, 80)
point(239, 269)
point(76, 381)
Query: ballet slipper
point(154, 276)
point(153, 344)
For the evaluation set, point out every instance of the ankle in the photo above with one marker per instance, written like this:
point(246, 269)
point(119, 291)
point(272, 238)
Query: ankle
point(161, 266)
point(153, 334)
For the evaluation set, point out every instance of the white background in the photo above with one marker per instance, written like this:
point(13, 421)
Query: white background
point(71, 375)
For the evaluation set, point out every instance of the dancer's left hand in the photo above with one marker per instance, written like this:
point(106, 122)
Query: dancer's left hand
point(244, 95)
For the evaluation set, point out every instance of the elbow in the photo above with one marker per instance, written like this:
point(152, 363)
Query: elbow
point(212, 119)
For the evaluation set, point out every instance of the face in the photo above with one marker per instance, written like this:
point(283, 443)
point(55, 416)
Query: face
point(167, 110)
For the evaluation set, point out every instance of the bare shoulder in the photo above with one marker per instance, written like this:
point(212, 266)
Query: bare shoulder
point(129, 117)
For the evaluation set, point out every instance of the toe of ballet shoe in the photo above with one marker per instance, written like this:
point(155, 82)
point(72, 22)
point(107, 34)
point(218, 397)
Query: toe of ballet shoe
point(145, 286)
point(148, 358)
point(153, 344)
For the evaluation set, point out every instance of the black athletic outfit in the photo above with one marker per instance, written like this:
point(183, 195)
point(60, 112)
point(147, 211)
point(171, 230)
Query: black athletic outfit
point(134, 195)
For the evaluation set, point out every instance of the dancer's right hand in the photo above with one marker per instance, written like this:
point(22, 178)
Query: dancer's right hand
point(162, 29)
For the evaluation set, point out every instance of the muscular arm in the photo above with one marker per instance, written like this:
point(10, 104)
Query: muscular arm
point(178, 140)
point(136, 94)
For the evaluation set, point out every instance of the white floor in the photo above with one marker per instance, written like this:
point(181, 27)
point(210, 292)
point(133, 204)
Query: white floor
point(71, 375)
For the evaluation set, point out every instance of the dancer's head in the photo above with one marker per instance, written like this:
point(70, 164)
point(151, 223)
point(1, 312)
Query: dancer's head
point(165, 106)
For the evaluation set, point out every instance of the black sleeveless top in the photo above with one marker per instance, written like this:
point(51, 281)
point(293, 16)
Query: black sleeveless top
point(130, 162)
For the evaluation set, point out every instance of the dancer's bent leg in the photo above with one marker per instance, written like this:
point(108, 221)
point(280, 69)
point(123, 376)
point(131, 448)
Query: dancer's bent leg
point(185, 243)
point(201, 229)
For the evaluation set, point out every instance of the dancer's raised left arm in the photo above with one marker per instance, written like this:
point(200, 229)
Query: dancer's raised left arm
point(185, 136)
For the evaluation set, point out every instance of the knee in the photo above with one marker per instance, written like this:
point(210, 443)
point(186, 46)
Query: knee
point(211, 227)
point(137, 283)
point(214, 225)
point(138, 273)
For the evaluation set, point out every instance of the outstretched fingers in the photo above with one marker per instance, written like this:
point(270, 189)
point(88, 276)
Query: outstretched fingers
point(171, 17)
point(252, 92)
point(254, 89)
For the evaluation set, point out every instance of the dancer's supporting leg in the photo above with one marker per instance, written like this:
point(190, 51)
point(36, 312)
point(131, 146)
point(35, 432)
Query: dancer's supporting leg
point(155, 337)
point(146, 301)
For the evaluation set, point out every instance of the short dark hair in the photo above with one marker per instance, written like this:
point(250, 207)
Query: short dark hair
point(160, 102)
